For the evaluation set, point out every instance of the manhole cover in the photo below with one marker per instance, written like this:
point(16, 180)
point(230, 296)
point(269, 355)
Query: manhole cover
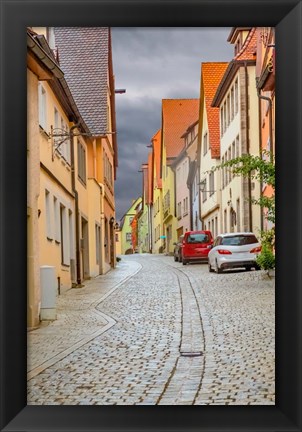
point(191, 354)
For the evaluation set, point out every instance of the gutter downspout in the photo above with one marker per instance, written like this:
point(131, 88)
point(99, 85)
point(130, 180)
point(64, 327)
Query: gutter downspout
point(190, 207)
point(76, 197)
point(270, 119)
point(102, 233)
point(248, 146)
point(270, 135)
point(260, 149)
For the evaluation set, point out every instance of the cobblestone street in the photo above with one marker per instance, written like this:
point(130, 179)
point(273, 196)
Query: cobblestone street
point(155, 332)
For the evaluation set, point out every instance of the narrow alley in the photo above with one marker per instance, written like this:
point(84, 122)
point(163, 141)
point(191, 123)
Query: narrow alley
point(153, 332)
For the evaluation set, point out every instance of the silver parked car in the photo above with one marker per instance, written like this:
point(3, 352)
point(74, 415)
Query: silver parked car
point(234, 250)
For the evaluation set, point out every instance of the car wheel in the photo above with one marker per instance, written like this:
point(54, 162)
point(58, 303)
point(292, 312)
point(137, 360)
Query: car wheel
point(218, 269)
point(257, 267)
point(248, 268)
point(210, 268)
point(184, 261)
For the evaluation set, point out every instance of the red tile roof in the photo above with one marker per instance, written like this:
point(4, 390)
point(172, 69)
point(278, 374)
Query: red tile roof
point(248, 50)
point(156, 140)
point(177, 115)
point(211, 75)
point(247, 53)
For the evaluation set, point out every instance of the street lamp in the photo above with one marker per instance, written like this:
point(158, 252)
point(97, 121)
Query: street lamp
point(202, 187)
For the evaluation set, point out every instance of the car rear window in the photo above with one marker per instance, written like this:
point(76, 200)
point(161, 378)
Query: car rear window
point(198, 238)
point(239, 240)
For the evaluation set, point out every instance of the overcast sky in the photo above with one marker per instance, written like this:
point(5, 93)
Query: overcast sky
point(154, 64)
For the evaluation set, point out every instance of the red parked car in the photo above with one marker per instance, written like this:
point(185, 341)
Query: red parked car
point(196, 245)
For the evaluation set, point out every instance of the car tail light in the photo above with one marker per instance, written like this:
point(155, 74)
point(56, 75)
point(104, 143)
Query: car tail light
point(224, 252)
point(256, 249)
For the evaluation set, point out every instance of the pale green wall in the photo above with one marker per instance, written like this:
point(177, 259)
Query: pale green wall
point(143, 232)
point(126, 228)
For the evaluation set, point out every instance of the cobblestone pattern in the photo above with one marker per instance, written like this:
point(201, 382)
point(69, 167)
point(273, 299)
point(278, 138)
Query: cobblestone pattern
point(238, 312)
point(77, 319)
point(185, 381)
point(130, 363)
point(163, 310)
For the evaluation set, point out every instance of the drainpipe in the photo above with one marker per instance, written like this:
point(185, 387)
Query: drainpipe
point(270, 135)
point(76, 197)
point(260, 149)
point(270, 119)
point(191, 207)
point(248, 146)
point(102, 233)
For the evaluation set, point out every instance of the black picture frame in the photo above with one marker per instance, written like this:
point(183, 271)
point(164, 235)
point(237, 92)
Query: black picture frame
point(286, 16)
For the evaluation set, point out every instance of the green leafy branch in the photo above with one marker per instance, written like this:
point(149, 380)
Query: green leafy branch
point(261, 168)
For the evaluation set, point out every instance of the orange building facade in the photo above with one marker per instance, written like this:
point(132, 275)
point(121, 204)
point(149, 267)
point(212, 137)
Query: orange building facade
point(265, 81)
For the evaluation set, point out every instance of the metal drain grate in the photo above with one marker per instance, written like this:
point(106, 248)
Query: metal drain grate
point(191, 354)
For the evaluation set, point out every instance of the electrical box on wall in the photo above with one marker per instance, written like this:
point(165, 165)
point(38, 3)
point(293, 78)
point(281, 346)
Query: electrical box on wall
point(48, 293)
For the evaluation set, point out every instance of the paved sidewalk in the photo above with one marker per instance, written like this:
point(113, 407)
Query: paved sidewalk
point(74, 325)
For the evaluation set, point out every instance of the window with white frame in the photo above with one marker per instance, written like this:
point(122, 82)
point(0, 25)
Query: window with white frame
point(221, 122)
point(211, 183)
point(179, 210)
point(65, 256)
point(223, 168)
point(233, 150)
point(49, 214)
point(232, 103)
point(56, 123)
point(56, 208)
point(236, 96)
point(128, 237)
point(229, 169)
point(42, 106)
point(185, 201)
point(62, 147)
point(233, 153)
point(228, 110)
point(237, 146)
point(81, 162)
point(107, 169)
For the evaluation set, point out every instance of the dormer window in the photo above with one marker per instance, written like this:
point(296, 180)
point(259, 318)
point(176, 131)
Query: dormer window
point(237, 46)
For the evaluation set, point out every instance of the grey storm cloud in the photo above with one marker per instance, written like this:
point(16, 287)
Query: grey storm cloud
point(154, 64)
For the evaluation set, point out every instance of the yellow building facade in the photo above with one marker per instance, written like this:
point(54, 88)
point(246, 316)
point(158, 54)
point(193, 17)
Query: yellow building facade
point(71, 173)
